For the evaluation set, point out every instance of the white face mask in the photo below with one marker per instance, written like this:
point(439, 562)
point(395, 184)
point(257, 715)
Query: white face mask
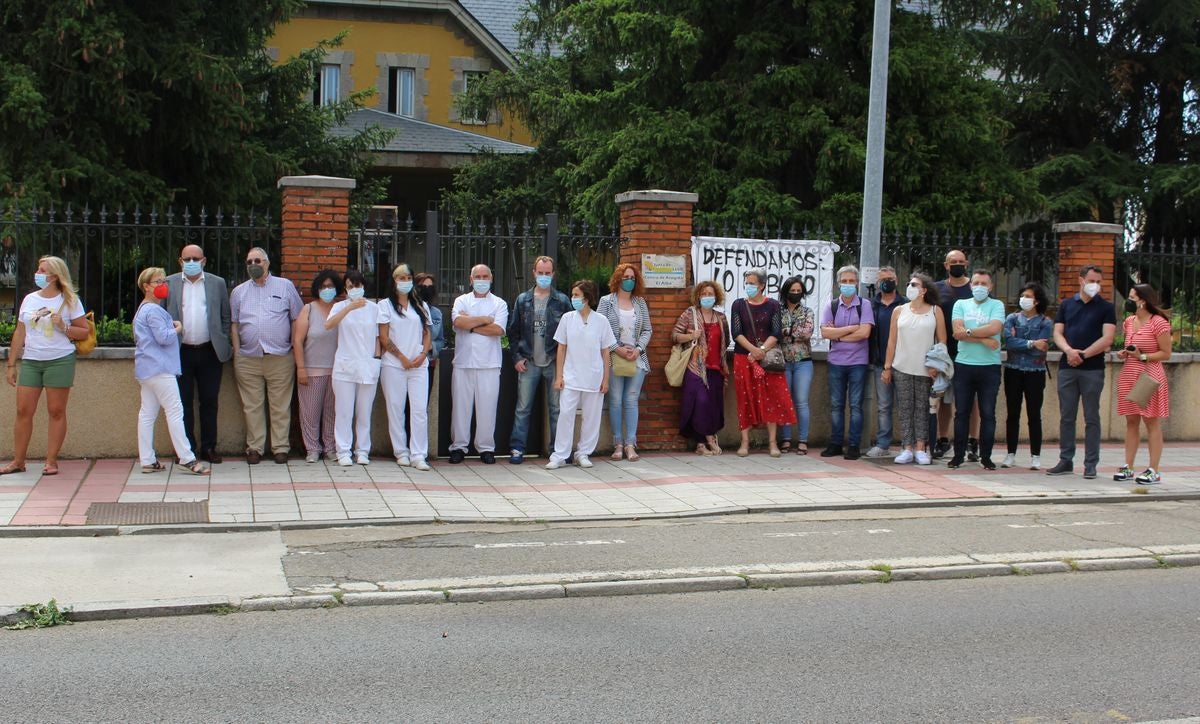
point(1027, 303)
point(913, 291)
point(1092, 289)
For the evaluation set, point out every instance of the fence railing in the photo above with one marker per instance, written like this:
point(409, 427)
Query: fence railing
point(106, 250)
point(1172, 268)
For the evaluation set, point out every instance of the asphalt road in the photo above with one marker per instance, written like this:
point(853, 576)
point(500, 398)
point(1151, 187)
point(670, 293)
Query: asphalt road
point(440, 552)
point(1100, 647)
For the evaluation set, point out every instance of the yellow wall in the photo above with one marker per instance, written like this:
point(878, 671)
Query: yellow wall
point(368, 37)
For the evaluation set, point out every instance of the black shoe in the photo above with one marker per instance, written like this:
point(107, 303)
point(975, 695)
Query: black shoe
point(940, 448)
point(211, 456)
point(253, 457)
point(831, 451)
point(487, 458)
point(516, 458)
point(972, 450)
point(852, 453)
point(457, 456)
point(281, 458)
point(1062, 468)
point(1089, 473)
point(987, 464)
point(955, 463)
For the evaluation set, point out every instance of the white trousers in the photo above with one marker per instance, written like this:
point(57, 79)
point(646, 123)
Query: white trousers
point(162, 392)
point(352, 403)
point(407, 388)
point(589, 428)
point(474, 390)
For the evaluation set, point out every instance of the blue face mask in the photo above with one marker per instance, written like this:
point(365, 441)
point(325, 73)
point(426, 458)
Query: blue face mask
point(192, 268)
point(40, 280)
point(751, 290)
point(404, 287)
point(577, 303)
point(980, 293)
point(327, 294)
point(544, 281)
point(628, 284)
point(708, 302)
point(848, 290)
point(481, 286)
point(355, 292)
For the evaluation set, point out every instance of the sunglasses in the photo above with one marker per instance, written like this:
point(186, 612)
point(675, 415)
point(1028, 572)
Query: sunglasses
point(252, 261)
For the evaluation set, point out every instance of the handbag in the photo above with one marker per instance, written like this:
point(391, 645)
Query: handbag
point(772, 360)
point(622, 367)
point(681, 356)
point(84, 347)
point(1143, 389)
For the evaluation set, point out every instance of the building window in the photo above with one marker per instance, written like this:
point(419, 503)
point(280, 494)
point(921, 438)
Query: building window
point(400, 91)
point(475, 116)
point(325, 89)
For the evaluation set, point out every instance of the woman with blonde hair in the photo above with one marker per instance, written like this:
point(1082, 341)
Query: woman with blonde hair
point(406, 338)
point(703, 411)
point(156, 367)
point(49, 323)
point(629, 317)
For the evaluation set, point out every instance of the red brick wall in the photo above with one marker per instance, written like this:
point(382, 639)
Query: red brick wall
point(314, 233)
point(1079, 247)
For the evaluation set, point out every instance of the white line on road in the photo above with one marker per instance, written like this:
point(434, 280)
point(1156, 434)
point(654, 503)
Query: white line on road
point(544, 544)
point(1061, 525)
point(802, 534)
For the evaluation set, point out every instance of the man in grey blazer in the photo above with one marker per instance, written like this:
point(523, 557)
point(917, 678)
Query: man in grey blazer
point(200, 301)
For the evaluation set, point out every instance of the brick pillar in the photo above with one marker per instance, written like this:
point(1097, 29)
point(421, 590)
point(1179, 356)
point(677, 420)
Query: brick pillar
point(315, 227)
point(1085, 242)
point(659, 222)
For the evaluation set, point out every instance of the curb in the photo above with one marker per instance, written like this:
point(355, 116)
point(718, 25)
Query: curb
point(881, 573)
point(86, 531)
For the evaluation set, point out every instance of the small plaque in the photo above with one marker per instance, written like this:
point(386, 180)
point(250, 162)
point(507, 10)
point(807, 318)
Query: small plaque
point(664, 271)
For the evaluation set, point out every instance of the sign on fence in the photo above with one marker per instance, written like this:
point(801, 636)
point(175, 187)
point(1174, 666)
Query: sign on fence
point(724, 261)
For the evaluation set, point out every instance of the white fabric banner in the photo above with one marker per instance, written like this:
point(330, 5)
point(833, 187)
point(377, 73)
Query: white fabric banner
point(724, 260)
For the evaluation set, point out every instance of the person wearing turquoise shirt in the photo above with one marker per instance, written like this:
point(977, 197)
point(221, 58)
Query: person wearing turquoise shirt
point(977, 323)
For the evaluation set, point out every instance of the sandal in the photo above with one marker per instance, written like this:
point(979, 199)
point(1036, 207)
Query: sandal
point(618, 453)
point(11, 469)
point(50, 469)
point(195, 467)
point(631, 454)
point(713, 445)
point(157, 467)
point(743, 452)
point(774, 452)
point(801, 448)
point(785, 446)
point(702, 449)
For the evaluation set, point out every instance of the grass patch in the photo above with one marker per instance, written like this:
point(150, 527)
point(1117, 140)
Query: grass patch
point(885, 572)
point(1162, 562)
point(1071, 563)
point(1018, 571)
point(223, 610)
point(1140, 490)
point(41, 615)
point(337, 596)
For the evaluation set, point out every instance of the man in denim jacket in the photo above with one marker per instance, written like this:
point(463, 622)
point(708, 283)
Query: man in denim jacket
point(531, 336)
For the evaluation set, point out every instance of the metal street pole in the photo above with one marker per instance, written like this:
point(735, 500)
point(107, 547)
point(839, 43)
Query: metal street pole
point(868, 261)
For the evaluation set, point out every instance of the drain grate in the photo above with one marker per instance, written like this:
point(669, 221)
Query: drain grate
point(147, 513)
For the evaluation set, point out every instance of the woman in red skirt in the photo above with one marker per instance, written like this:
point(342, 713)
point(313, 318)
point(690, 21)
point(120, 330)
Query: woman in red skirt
point(1147, 346)
point(762, 397)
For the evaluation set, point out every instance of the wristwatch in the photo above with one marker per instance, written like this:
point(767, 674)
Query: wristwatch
point(1143, 357)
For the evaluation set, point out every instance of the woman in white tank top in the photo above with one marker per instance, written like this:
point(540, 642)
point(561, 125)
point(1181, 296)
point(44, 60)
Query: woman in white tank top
point(916, 326)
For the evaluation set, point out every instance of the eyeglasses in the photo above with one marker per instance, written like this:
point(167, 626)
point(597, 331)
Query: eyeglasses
point(253, 261)
point(192, 258)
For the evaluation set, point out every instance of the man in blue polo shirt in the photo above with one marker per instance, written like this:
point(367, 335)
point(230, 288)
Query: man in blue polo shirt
point(846, 322)
point(1083, 330)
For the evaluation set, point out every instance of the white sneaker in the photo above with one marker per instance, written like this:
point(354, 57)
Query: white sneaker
point(362, 459)
point(582, 461)
point(923, 458)
point(421, 465)
point(878, 452)
point(1009, 460)
point(345, 461)
point(904, 458)
point(312, 457)
point(1035, 463)
point(554, 464)
point(403, 461)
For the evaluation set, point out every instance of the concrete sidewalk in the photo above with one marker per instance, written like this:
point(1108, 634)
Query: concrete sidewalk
point(657, 485)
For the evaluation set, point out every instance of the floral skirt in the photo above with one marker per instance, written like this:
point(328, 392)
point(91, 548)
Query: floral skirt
point(762, 397)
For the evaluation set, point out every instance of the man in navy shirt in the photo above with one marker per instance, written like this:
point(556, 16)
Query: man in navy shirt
point(1083, 330)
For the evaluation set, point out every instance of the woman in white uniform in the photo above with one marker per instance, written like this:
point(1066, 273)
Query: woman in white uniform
point(585, 339)
point(355, 370)
point(404, 331)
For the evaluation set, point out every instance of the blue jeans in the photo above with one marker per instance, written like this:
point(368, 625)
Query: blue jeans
point(884, 394)
point(971, 383)
point(622, 403)
point(527, 385)
point(799, 379)
point(846, 383)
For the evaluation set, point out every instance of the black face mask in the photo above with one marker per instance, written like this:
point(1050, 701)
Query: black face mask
point(1131, 306)
point(958, 271)
point(887, 286)
point(795, 297)
point(427, 292)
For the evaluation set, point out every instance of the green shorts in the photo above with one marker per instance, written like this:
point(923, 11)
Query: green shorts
point(48, 373)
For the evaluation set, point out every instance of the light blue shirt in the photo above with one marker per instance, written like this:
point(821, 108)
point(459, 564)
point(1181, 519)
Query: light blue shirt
point(157, 344)
point(975, 315)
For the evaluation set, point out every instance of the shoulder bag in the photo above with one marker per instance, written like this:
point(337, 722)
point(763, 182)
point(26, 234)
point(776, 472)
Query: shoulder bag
point(773, 361)
point(84, 347)
point(681, 355)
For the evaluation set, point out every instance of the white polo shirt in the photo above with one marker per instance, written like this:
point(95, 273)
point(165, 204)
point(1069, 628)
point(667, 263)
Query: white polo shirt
point(355, 360)
point(407, 332)
point(478, 351)
point(584, 367)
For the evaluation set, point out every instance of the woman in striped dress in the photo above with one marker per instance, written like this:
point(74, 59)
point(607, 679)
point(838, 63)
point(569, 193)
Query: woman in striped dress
point(1147, 346)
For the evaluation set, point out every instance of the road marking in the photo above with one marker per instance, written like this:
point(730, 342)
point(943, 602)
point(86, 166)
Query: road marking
point(545, 544)
point(802, 534)
point(1062, 525)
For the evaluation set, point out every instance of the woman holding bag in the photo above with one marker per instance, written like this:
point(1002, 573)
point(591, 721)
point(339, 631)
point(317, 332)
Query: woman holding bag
point(629, 317)
point(703, 410)
point(1147, 346)
point(762, 395)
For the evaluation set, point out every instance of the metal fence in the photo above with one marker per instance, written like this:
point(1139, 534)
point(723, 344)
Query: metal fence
point(105, 251)
point(1172, 268)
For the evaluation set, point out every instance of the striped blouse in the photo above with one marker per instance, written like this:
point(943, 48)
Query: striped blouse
point(641, 324)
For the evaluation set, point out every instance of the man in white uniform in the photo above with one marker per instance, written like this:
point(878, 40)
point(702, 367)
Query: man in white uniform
point(479, 318)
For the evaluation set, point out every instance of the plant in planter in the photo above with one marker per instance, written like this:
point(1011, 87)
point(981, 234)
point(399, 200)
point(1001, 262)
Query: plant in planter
point(114, 331)
point(7, 327)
